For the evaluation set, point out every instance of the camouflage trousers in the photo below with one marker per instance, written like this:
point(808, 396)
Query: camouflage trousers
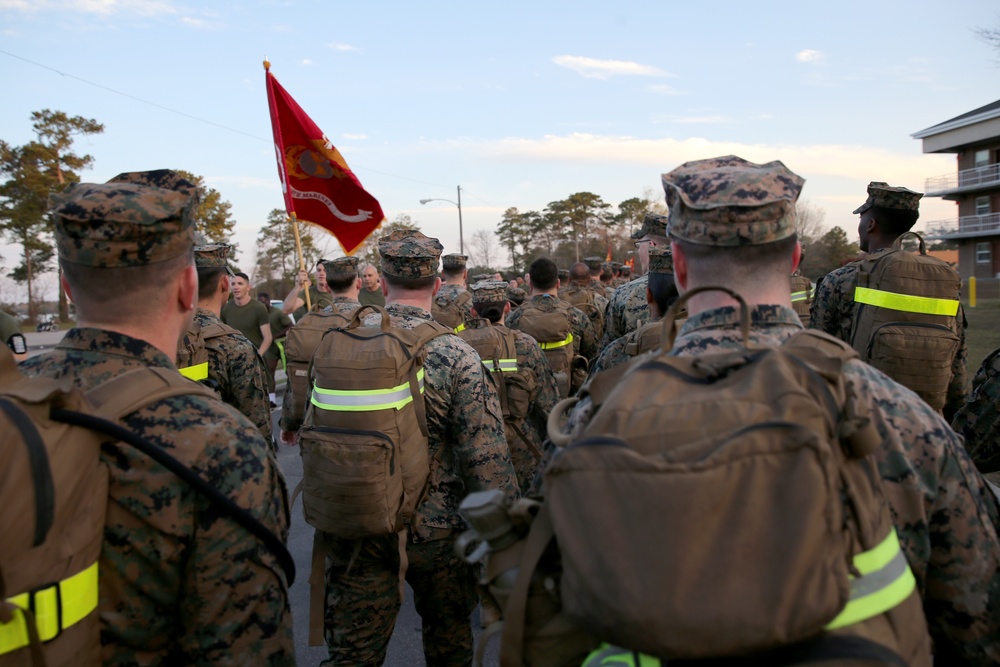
point(363, 600)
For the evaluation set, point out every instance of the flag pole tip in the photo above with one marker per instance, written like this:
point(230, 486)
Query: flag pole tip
point(267, 64)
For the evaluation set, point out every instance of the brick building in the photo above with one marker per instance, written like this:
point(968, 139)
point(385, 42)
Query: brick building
point(974, 137)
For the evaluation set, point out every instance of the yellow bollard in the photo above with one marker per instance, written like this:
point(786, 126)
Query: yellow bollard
point(972, 292)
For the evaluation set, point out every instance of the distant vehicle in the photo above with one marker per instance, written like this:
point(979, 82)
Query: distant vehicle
point(47, 324)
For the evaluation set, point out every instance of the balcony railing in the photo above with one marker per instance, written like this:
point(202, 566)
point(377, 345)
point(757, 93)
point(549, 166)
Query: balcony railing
point(969, 225)
point(967, 178)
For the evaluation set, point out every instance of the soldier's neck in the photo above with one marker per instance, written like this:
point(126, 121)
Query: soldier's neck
point(162, 336)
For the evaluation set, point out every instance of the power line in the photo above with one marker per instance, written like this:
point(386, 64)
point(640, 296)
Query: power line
point(192, 117)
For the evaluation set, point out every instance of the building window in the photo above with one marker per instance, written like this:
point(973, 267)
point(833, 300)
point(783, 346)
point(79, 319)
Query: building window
point(983, 253)
point(982, 158)
point(983, 205)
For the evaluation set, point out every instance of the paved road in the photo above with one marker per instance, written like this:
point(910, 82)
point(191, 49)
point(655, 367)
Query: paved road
point(405, 648)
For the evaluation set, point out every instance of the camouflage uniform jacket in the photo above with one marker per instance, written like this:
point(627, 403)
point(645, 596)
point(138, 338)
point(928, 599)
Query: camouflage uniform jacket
point(979, 419)
point(542, 398)
point(289, 421)
point(450, 292)
point(627, 309)
point(614, 353)
point(464, 419)
point(584, 334)
point(832, 311)
point(237, 372)
point(181, 584)
point(946, 517)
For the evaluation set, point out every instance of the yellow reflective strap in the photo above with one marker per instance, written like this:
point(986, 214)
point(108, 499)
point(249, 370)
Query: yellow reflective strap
point(886, 580)
point(557, 344)
point(613, 656)
point(365, 400)
point(75, 597)
point(906, 303)
point(800, 296)
point(460, 327)
point(508, 366)
point(196, 372)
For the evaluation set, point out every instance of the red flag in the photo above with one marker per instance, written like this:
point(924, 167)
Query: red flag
point(316, 182)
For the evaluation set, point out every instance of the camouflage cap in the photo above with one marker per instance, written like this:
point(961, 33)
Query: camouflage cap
point(516, 295)
point(454, 261)
point(407, 253)
point(340, 266)
point(122, 224)
point(884, 195)
point(489, 291)
point(213, 256)
point(594, 263)
point(479, 277)
point(729, 201)
point(167, 179)
point(653, 224)
point(661, 259)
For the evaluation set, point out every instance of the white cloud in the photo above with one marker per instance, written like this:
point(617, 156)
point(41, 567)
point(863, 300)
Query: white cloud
point(105, 7)
point(355, 137)
point(197, 23)
point(810, 56)
point(340, 46)
point(664, 89)
point(605, 69)
point(307, 62)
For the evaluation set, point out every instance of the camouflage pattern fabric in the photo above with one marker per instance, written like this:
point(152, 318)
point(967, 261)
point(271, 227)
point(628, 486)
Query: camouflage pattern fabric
point(729, 201)
point(832, 311)
point(979, 419)
point(653, 224)
point(614, 353)
point(530, 359)
point(181, 584)
point(362, 603)
point(489, 291)
point(882, 195)
point(516, 296)
point(627, 309)
point(340, 265)
point(409, 254)
point(469, 453)
point(121, 224)
point(166, 179)
point(215, 256)
point(238, 374)
point(448, 294)
point(454, 261)
point(944, 514)
point(584, 334)
point(288, 421)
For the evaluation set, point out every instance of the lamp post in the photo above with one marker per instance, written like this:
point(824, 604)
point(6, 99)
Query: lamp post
point(461, 240)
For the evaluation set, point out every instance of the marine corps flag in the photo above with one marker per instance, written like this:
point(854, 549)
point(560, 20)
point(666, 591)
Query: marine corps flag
point(316, 182)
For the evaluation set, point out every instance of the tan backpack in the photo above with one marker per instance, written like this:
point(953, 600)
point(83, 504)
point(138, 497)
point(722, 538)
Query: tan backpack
point(724, 505)
point(497, 347)
point(364, 437)
point(192, 353)
point(802, 296)
point(584, 298)
point(301, 342)
point(54, 493)
point(451, 312)
point(905, 318)
point(549, 322)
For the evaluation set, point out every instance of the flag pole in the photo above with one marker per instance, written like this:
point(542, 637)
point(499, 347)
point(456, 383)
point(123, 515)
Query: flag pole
point(302, 259)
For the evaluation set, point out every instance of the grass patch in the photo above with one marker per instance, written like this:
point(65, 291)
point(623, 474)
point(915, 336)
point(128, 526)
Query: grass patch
point(983, 334)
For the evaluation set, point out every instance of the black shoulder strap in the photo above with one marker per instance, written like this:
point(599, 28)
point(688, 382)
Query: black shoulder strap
point(128, 404)
point(41, 471)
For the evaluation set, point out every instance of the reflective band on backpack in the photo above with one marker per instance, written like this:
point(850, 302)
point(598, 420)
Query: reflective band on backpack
point(197, 372)
point(906, 303)
point(506, 365)
point(460, 327)
point(885, 581)
point(557, 344)
point(74, 597)
point(365, 400)
point(801, 296)
point(613, 656)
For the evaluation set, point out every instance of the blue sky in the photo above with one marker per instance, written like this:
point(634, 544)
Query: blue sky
point(519, 103)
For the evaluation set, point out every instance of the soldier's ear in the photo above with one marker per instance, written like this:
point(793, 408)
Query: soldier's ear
point(187, 289)
point(796, 256)
point(680, 267)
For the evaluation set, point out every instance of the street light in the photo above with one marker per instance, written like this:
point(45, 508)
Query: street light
point(461, 240)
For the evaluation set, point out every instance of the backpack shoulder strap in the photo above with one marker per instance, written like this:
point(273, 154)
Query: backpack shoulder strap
point(138, 388)
point(216, 329)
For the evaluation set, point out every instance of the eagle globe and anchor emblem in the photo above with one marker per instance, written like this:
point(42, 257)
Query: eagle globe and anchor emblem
point(324, 161)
